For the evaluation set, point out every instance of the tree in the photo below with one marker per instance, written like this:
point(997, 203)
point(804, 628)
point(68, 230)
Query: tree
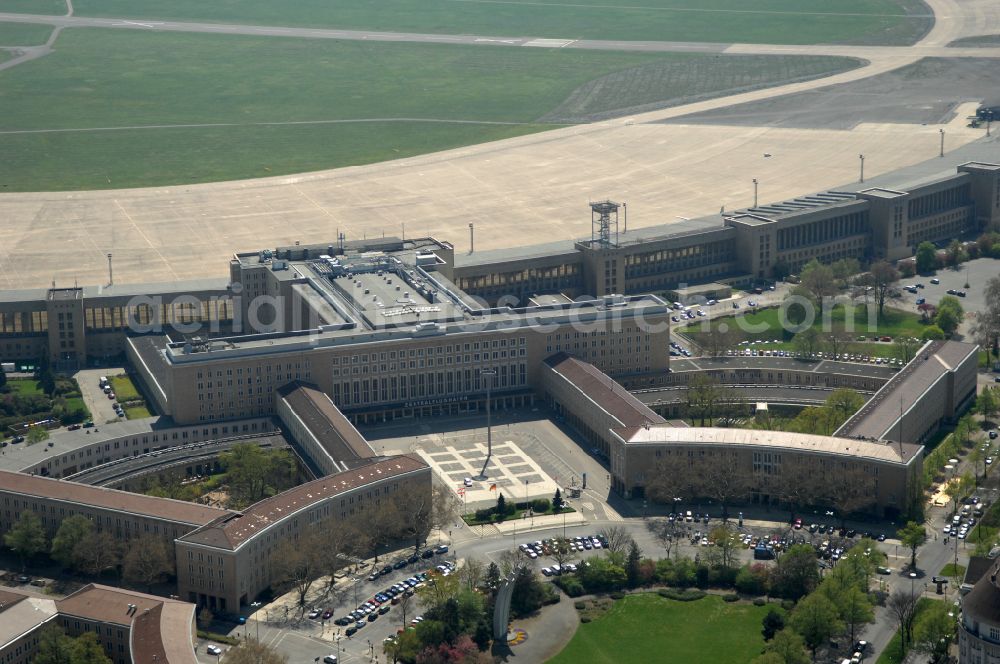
point(796, 573)
point(671, 478)
point(37, 434)
point(632, 562)
point(956, 254)
point(843, 402)
point(837, 341)
point(72, 530)
point(561, 552)
point(848, 490)
point(86, 650)
point(789, 646)
point(933, 631)
point(844, 270)
point(294, 562)
point(26, 538)
point(3, 381)
point(816, 620)
point(147, 561)
point(557, 502)
point(252, 651)
point(931, 333)
point(55, 647)
point(798, 306)
point(854, 608)
point(254, 474)
point(667, 532)
point(987, 403)
point(902, 606)
point(97, 553)
point(806, 342)
point(903, 348)
point(818, 279)
point(882, 277)
point(501, 507)
point(416, 513)
point(492, 581)
point(986, 325)
point(725, 544)
point(724, 480)
point(717, 339)
point(949, 314)
point(912, 535)
point(702, 397)
point(773, 623)
point(926, 257)
point(618, 539)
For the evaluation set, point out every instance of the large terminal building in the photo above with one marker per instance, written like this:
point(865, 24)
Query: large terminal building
point(301, 343)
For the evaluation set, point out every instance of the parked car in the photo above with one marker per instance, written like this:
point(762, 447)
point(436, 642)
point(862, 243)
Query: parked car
point(213, 650)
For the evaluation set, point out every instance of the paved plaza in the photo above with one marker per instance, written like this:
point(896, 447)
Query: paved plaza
point(510, 471)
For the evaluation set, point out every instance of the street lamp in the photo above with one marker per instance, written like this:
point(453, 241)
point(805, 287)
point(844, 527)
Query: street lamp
point(862, 158)
point(941, 131)
point(488, 374)
point(755, 192)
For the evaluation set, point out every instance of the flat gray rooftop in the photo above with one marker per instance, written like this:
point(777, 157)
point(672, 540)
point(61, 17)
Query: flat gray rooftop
point(883, 411)
point(64, 442)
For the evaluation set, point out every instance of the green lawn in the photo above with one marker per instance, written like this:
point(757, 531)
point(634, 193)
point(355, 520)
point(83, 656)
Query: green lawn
point(766, 324)
point(23, 34)
point(649, 628)
point(124, 389)
point(988, 41)
point(33, 6)
point(24, 386)
point(274, 106)
point(137, 413)
point(951, 570)
point(761, 21)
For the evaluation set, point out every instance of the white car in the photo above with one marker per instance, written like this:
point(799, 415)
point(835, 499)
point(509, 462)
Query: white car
point(213, 650)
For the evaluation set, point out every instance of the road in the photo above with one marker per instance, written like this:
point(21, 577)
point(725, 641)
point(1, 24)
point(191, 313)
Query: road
point(928, 47)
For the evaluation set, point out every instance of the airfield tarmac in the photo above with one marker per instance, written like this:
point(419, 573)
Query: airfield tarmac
point(519, 191)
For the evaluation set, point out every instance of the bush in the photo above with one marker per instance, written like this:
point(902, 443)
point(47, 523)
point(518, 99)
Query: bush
point(585, 619)
point(689, 595)
point(570, 585)
point(579, 606)
point(759, 601)
point(484, 514)
point(787, 604)
point(731, 597)
point(541, 505)
point(617, 595)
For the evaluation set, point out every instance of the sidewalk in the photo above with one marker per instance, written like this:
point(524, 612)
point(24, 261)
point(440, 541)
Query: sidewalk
point(515, 526)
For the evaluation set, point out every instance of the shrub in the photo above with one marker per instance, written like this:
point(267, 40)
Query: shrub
point(570, 585)
point(579, 605)
point(541, 505)
point(759, 601)
point(689, 595)
point(617, 594)
point(787, 604)
point(585, 619)
point(731, 597)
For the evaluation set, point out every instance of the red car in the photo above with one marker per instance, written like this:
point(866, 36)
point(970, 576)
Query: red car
point(327, 614)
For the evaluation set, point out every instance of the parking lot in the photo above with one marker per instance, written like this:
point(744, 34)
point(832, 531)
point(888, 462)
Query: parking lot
point(975, 273)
